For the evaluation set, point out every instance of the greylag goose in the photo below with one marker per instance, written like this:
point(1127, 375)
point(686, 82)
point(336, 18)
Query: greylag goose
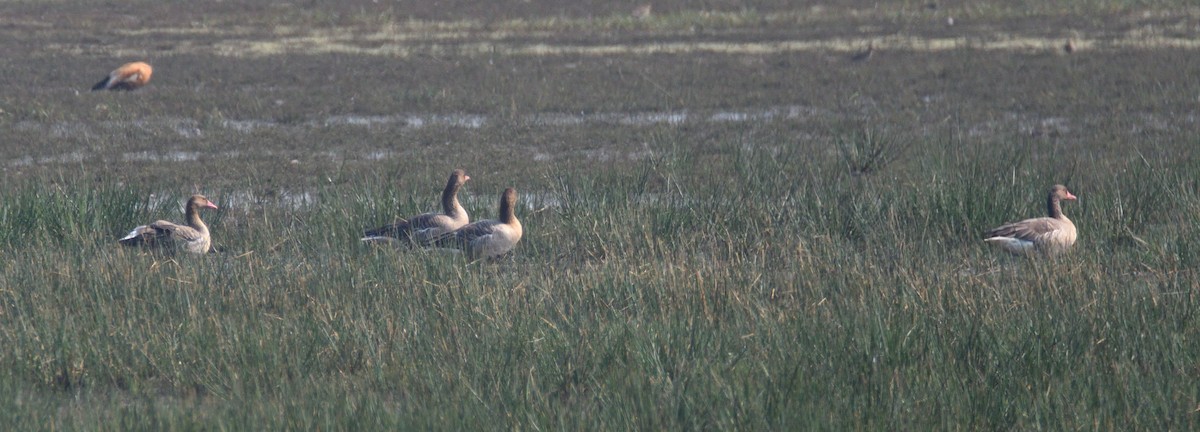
point(425, 227)
point(865, 55)
point(171, 237)
point(129, 76)
point(1051, 234)
point(488, 238)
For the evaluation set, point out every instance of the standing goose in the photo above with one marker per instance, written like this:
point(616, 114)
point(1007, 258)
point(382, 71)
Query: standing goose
point(129, 76)
point(171, 237)
point(1051, 234)
point(425, 227)
point(488, 238)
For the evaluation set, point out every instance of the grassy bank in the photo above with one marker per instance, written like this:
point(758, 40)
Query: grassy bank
point(771, 291)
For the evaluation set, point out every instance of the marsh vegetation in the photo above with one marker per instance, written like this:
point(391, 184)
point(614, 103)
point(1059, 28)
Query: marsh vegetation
point(716, 235)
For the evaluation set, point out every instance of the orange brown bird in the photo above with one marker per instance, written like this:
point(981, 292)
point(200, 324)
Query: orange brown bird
point(129, 76)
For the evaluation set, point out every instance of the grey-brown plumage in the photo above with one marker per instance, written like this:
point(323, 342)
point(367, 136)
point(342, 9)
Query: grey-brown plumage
point(488, 238)
point(171, 237)
point(1051, 234)
point(425, 227)
point(864, 55)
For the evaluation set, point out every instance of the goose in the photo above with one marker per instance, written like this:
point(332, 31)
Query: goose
point(1051, 234)
point(171, 237)
point(487, 238)
point(425, 227)
point(129, 76)
point(865, 55)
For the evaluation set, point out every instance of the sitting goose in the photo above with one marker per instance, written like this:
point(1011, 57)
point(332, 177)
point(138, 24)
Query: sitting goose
point(1051, 234)
point(488, 238)
point(170, 237)
point(425, 227)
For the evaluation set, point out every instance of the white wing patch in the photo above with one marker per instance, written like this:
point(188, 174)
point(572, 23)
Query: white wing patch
point(1011, 244)
point(133, 233)
point(427, 234)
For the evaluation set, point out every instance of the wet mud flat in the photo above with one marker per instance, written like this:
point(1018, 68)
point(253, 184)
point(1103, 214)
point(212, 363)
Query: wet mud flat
point(249, 83)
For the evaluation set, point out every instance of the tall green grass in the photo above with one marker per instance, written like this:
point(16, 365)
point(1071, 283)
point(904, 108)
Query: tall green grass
point(743, 284)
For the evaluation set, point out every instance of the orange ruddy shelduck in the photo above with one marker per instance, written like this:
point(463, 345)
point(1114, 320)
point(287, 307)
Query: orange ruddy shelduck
point(127, 77)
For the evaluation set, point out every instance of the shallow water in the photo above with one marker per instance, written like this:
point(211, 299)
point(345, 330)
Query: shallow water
point(186, 129)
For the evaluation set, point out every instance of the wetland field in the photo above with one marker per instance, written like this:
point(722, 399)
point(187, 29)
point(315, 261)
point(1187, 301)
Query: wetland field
point(761, 215)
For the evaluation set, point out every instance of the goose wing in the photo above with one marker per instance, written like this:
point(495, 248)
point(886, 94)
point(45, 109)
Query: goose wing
point(176, 231)
point(469, 235)
point(1035, 230)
